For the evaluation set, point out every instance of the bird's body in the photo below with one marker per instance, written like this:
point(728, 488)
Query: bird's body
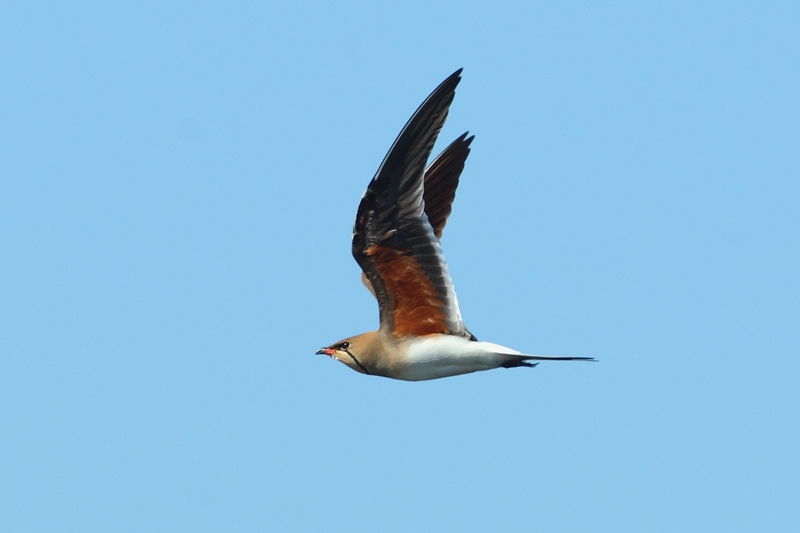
point(420, 358)
point(396, 242)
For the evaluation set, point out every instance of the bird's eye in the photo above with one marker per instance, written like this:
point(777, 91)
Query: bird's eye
point(344, 345)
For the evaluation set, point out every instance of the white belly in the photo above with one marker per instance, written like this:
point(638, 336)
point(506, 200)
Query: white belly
point(438, 356)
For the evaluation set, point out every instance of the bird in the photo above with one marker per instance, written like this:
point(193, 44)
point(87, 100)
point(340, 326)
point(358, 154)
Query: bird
point(396, 242)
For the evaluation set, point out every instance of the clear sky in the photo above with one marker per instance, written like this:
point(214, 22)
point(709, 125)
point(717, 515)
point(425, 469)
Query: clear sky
point(178, 185)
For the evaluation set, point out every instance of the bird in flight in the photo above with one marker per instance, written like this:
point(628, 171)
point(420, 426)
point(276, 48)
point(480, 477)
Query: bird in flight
point(396, 242)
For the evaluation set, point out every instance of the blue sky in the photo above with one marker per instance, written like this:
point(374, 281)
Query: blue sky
point(177, 190)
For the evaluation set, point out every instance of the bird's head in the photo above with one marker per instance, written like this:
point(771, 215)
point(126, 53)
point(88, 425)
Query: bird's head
point(355, 352)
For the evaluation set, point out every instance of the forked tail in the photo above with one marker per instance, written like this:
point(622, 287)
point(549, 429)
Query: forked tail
point(555, 358)
point(523, 360)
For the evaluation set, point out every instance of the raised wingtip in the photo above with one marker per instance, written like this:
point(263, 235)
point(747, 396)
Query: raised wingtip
point(454, 78)
point(450, 82)
point(463, 138)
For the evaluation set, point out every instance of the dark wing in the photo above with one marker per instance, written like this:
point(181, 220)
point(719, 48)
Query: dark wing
point(393, 241)
point(439, 190)
point(441, 180)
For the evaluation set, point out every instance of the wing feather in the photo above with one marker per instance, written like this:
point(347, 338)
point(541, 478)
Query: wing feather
point(441, 181)
point(393, 239)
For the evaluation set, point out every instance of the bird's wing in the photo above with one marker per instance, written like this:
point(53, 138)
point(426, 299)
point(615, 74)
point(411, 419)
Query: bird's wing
point(441, 181)
point(439, 190)
point(393, 241)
